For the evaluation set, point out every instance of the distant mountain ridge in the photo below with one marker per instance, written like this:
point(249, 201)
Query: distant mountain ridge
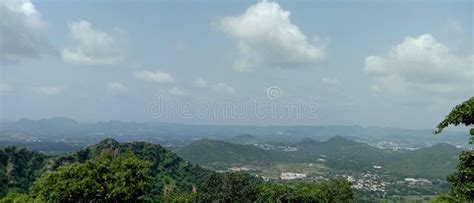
point(56, 123)
point(227, 131)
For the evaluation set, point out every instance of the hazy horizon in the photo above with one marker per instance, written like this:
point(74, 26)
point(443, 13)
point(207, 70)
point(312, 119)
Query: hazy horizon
point(365, 63)
point(448, 129)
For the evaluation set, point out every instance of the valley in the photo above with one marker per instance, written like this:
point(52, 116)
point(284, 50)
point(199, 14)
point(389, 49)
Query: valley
point(375, 171)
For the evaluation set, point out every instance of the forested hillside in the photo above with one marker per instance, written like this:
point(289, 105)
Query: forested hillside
point(340, 153)
point(19, 167)
point(140, 172)
point(217, 153)
point(168, 169)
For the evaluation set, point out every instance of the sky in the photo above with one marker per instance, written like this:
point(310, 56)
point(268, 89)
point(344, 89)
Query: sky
point(370, 63)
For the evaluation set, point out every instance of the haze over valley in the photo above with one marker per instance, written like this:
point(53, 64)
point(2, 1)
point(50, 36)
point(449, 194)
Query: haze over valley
point(236, 101)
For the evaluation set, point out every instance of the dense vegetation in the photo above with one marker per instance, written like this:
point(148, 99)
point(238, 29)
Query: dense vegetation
point(141, 172)
point(19, 167)
point(434, 162)
point(331, 191)
point(242, 187)
point(217, 153)
point(340, 153)
point(170, 171)
point(105, 179)
point(462, 180)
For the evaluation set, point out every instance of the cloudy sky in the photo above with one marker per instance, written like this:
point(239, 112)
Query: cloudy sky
point(362, 63)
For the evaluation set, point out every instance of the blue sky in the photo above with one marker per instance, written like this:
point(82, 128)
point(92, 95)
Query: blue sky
point(400, 64)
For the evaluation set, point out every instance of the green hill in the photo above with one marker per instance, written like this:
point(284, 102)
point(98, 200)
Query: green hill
point(169, 169)
point(436, 161)
point(339, 146)
point(338, 153)
point(21, 166)
point(218, 154)
point(129, 172)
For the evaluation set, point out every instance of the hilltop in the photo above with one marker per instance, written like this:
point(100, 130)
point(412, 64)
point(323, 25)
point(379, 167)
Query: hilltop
point(338, 152)
point(137, 171)
point(215, 153)
point(432, 162)
point(169, 170)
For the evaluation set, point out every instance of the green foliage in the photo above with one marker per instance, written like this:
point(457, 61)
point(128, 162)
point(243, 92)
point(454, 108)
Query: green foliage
point(461, 114)
point(131, 172)
point(229, 187)
point(19, 167)
point(104, 179)
point(342, 153)
point(220, 154)
point(330, 191)
point(462, 180)
point(14, 197)
point(180, 197)
point(435, 162)
point(444, 198)
point(170, 171)
point(242, 187)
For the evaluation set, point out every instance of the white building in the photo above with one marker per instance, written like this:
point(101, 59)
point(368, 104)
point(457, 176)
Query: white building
point(292, 176)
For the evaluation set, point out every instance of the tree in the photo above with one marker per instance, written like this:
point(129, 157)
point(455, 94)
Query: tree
point(19, 167)
point(104, 179)
point(229, 187)
point(461, 114)
point(329, 191)
point(179, 197)
point(462, 180)
point(14, 197)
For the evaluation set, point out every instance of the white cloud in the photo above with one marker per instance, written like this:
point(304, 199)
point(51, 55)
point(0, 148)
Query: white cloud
point(157, 76)
point(219, 87)
point(49, 90)
point(5, 89)
point(422, 65)
point(223, 88)
point(176, 91)
point(91, 46)
point(117, 88)
point(201, 83)
point(21, 31)
point(265, 36)
point(331, 81)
